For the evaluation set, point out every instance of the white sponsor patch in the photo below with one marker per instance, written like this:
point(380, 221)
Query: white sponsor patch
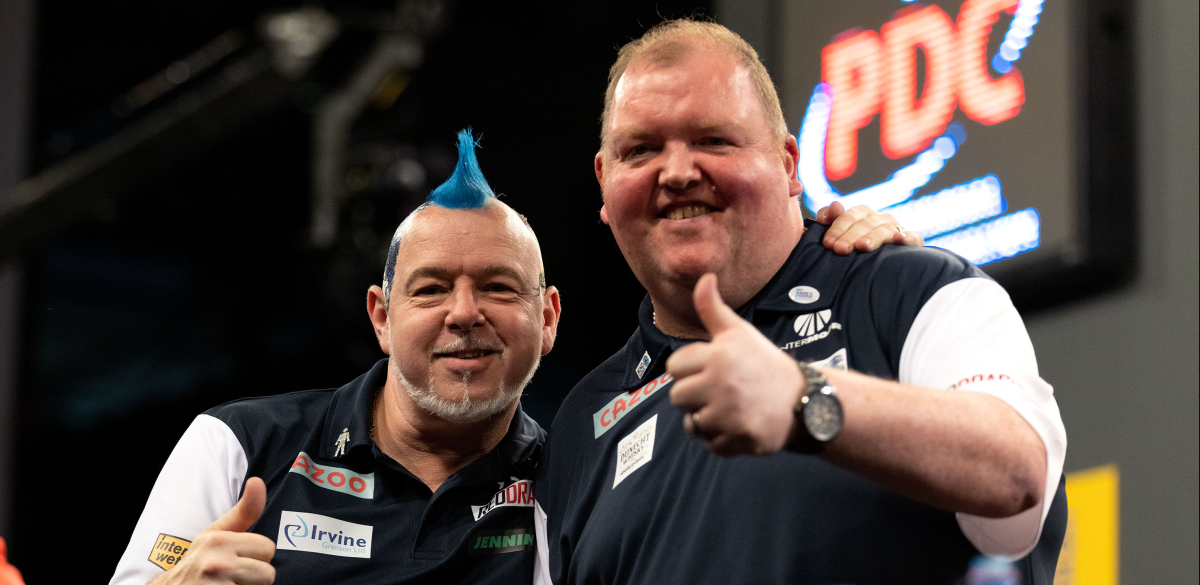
point(519, 493)
point(322, 534)
point(804, 294)
point(836, 361)
point(635, 450)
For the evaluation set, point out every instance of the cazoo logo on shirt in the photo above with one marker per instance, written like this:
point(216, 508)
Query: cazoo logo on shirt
point(812, 327)
point(321, 534)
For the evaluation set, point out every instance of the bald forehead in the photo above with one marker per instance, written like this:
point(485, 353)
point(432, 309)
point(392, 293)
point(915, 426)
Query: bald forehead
point(493, 221)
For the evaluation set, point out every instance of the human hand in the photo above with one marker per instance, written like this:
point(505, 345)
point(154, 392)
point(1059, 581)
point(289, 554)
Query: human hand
point(863, 229)
point(737, 391)
point(224, 553)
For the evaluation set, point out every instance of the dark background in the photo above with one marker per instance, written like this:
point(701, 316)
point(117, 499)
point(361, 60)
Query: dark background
point(204, 288)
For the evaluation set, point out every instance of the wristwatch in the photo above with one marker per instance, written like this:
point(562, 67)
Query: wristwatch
point(818, 414)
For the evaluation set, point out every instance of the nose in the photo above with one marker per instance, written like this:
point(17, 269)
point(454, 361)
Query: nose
point(464, 311)
point(679, 170)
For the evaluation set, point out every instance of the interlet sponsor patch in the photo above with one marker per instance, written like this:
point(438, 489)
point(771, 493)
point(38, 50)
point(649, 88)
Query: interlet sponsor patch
point(635, 450)
point(168, 551)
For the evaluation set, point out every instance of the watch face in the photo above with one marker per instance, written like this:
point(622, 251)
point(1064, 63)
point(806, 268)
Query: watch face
point(823, 416)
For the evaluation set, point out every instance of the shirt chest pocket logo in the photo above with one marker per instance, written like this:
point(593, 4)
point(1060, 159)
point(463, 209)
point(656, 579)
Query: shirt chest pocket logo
point(635, 450)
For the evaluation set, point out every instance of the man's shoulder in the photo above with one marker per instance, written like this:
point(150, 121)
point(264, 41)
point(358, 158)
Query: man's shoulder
point(900, 269)
point(264, 421)
point(594, 390)
point(279, 408)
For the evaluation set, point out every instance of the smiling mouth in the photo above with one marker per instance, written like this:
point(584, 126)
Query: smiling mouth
point(687, 211)
point(467, 354)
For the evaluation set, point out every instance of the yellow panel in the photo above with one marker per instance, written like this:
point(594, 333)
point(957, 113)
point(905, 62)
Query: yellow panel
point(1090, 549)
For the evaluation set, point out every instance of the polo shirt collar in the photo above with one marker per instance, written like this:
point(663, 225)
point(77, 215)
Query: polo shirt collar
point(798, 287)
point(350, 411)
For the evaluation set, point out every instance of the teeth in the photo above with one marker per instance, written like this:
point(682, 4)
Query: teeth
point(689, 211)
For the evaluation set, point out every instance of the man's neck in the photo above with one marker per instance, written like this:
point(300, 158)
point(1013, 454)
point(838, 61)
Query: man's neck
point(675, 313)
point(432, 448)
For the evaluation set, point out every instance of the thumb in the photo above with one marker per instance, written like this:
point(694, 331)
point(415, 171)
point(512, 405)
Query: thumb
point(713, 312)
point(247, 510)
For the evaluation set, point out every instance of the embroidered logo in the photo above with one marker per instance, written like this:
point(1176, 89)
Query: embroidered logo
point(341, 443)
point(359, 485)
point(635, 450)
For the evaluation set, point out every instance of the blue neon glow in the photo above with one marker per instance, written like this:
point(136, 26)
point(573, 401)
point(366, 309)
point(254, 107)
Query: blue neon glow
point(466, 188)
point(1000, 238)
point(1017, 37)
point(952, 207)
point(899, 187)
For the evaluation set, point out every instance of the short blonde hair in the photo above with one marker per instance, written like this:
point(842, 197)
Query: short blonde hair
point(662, 44)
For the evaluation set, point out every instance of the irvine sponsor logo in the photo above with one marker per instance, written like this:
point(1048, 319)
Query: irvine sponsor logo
point(519, 493)
point(321, 534)
point(168, 551)
point(486, 542)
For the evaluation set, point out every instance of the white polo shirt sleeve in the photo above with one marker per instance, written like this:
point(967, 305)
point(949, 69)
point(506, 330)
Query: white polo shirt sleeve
point(199, 483)
point(969, 337)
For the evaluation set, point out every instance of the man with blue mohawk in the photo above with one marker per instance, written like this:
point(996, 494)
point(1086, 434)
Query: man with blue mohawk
point(420, 470)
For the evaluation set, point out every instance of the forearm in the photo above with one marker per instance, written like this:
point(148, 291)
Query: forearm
point(959, 451)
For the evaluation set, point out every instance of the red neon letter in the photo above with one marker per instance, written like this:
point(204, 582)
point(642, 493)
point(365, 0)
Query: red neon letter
point(907, 126)
point(983, 99)
point(852, 67)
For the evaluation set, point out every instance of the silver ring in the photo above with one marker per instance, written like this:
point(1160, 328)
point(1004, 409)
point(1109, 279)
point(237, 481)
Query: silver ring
point(898, 228)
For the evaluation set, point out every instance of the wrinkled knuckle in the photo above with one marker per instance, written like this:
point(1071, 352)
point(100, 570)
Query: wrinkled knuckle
point(215, 567)
point(215, 538)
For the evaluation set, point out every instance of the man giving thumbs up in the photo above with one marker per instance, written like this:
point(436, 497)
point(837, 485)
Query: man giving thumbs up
point(224, 553)
point(890, 400)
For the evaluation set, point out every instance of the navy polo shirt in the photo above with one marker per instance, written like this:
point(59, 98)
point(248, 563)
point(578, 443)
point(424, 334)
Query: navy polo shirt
point(338, 508)
point(630, 497)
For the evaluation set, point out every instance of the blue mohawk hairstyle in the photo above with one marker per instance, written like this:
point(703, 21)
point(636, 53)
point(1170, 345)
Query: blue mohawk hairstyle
point(466, 188)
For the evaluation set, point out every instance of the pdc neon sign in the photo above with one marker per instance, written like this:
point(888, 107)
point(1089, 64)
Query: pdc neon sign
point(867, 73)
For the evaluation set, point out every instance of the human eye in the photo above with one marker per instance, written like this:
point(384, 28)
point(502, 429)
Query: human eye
point(500, 288)
point(428, 290)
point(636, 151)
point(714, 141)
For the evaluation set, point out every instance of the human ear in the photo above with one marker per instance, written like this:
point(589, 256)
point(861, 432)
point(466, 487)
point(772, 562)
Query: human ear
point(377, 312)
point(551, 311)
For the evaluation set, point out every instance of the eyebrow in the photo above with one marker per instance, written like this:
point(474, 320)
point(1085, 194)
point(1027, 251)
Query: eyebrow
point(640, 133)
point(441, 273)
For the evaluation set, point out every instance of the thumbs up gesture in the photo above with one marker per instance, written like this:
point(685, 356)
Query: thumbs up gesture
point(224, 552)
point(738, 390)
